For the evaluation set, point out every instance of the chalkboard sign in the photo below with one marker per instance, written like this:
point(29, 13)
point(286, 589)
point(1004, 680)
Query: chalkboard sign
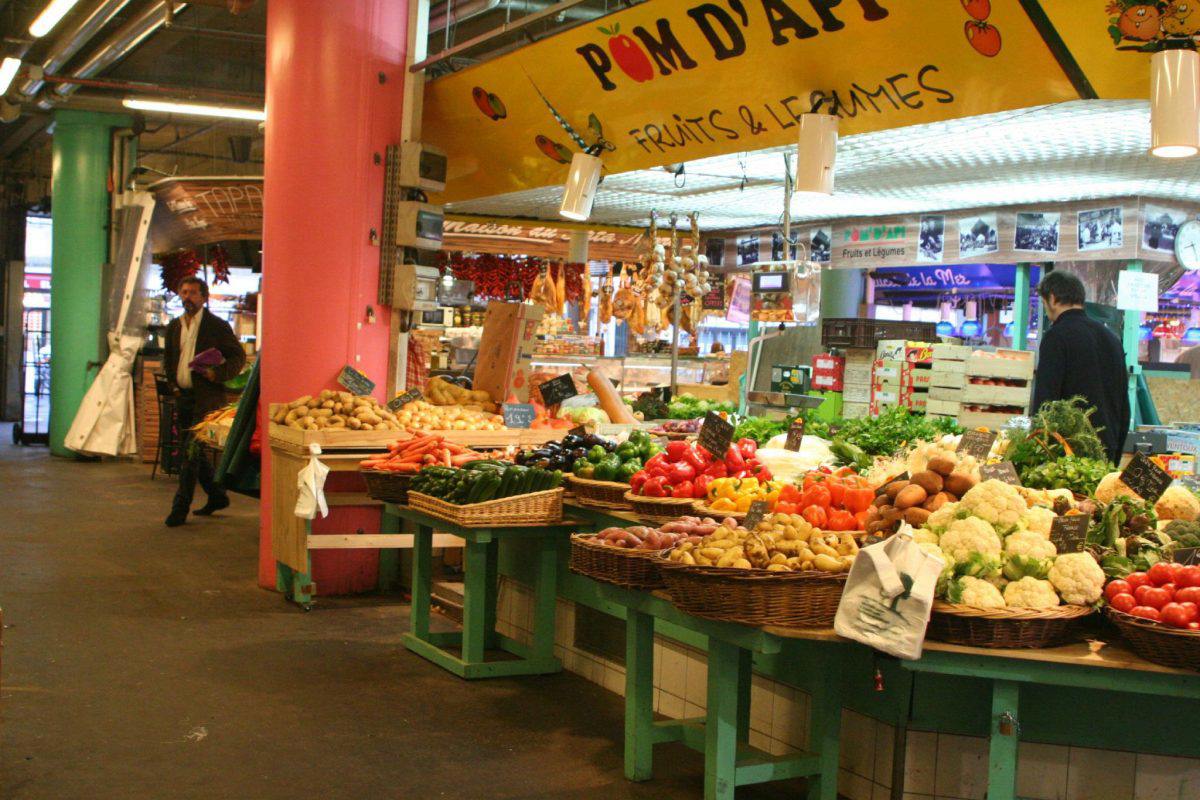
point(795, 435)
point(401, 400)
point(715, 434)
point(518, 415)
point(1002, 471)
point(977, 443)
point(578, 430)
point(355, 382)
point(1146, 478)
point(1069, 533)
point(755, 513)
point(555, 390)
point(714, 299)
point(1186, 555)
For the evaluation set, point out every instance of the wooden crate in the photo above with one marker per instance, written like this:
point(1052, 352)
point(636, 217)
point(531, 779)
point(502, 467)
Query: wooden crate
point(345, 438)
point(1019, 366)
point(996, 395)
point(983, 419)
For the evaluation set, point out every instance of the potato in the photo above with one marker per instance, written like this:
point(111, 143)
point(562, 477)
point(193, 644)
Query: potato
point(909, 496)
point(928, 480)
point(891, 515)
point(893, 489)
point(916, 516)
point(882, 500)
point(937, 501)
point(941, 465)
point(959, 484)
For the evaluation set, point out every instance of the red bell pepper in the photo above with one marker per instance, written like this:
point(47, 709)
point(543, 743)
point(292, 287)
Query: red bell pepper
point(747, 447)
point(656, 486)
point(734, 460)
point(638, 479)
point(717, 469)
point(657, 465)
point(784, 507)
point(789, 494)
point(677, 450)
point(700, 485)
point(684, 489)
point(860, 520)
point(763, 474)
point(859, 499)
point(837, 494)
point(681, 471)
point(816, 516)
point(816, 495)
point(698, 458)
point(841, 520)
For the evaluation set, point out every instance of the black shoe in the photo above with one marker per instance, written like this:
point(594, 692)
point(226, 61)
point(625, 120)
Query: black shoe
point(177, 517)
point(214, 504)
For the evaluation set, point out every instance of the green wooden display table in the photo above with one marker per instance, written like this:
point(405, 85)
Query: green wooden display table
point(480, 567)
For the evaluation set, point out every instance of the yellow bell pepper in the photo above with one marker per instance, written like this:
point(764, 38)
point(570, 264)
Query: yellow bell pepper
point(723, 504)
point(744, 501)
point(725, 487)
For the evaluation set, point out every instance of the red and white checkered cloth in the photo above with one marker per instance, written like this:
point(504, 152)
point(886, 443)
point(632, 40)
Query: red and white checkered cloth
point(418, 364)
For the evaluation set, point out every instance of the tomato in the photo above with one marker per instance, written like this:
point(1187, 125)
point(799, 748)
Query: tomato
point(1146, 612)
point(785, 507)
point(1155, 597)
point(816, 516)
point(1192, 609)
point(816, 495)
point(860, 499)
point(837, 494)
point(983, 37)
point(1117, 587)
point(1122, 602)
point(841, 520)
point(1170, 587)
point(1176, 615)
point(1188, 594)
point(1160, 573)
point(979, 9)
point(1188, 576)
point(1136, 579)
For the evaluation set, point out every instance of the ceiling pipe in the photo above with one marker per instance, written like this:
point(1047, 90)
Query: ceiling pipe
point(73, 39)
point(234, 7)
point(181, 93)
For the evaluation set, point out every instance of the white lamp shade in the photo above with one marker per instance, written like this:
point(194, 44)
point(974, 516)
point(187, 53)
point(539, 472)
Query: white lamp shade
point(1175, 103)
point(580, 190)
point(815, 153)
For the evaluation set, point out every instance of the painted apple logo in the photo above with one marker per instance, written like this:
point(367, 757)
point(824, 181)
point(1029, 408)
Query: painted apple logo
point(552, 150)
point(979, 9)
point(632, 60)
point(983, 37)
point(491, 105)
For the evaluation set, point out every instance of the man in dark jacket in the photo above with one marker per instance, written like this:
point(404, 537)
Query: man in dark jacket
point(199, 391)
point(1080, 356)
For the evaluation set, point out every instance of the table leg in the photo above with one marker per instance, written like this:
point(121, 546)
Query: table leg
point(825, 727)
point(1005, 738)
point(545, 597)
point(639, 696)
point(475, 601)
point(389, 558)
point(491, 638)
point(745, 665)
point(722, 719)
point(422, 581)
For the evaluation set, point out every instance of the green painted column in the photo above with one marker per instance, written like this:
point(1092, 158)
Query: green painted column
point(841, 292)
point(1021, 308)
point(1130, 338)
point(79, 193)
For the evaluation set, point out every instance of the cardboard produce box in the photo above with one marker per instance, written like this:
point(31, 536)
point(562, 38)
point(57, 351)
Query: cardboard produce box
point(505, 359)
point(903, 350)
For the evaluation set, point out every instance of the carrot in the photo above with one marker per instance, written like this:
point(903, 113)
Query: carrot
point(464, 458)
point(408, 468)
point(417, 442)
point(456, 449)
point(446, 458)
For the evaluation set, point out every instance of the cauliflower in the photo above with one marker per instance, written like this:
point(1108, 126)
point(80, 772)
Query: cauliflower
point(1038, 519)
point(1028, 543)
point(970, 591)
point(1017, 567)
point(940, 520)
point(997, 502)
point(969, 535)
point(926, 536)
point(1111, 486)
point(1177, 503)
point(1030, 593)
point(1078, 578)
point(931, 548)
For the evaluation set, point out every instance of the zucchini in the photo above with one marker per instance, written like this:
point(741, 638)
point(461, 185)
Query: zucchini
point(506, 480)
point(520, 477)
point(487, 462)
point(489, 483)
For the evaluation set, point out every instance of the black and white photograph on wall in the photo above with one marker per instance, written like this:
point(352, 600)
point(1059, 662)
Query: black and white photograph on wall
point(747, 249)
point(1160, 225)
point(977, 235)
point(1037, 232)
point(715, 250)
point(777, 248)
point(932, 239)
point(820, 243)
point(1101, 229)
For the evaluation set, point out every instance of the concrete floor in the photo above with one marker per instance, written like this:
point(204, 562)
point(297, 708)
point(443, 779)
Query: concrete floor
point(143, 662)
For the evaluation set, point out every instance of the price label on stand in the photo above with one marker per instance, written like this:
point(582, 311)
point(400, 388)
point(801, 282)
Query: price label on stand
point(518, 415)
point(977, 443)
point(1186, 556)
point(355, 382)
point(758, 509)
point(715, 434)
point(1146, 478)
point(1001, 471)
point(795, 435)
point(578, 430)
point(401, 400)
point(1069, 533)
point(555, 390)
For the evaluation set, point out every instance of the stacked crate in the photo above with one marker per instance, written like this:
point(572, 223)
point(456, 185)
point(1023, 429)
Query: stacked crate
point(900, 375)
point(856, 382)
point(998, 387)
point(946, 380)
point(828, 372)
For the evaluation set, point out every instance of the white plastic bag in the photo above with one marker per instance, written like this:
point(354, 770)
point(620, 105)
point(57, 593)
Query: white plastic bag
point(888, 596)
point(310, 486)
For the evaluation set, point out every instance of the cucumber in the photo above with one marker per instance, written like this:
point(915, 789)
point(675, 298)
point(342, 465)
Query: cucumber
point(520, 476)
point(490, 483)
point(506, 481)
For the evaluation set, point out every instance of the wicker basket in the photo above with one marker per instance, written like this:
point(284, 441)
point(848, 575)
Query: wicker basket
point(754, 596)
point(537, 508)
point(600, 494)
point(659, 509)
point(1005, 627)
point(700, 508)
point(1157, 642)
point(386, 486)
point(633, 569)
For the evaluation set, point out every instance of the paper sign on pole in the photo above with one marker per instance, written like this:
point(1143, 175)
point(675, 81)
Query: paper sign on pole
point(1137, 291)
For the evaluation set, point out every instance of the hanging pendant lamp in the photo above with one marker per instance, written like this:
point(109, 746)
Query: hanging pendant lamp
point(1175, 101)
point(580, 191)
point(816, 153)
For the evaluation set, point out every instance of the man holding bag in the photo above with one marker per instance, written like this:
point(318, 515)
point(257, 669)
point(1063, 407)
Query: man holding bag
point(199, 389)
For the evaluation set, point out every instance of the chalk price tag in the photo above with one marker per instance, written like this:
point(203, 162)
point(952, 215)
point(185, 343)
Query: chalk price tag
point(518, 415)
point(1069, 533)
point(795, 435)
point(1001, 471)
point(715, 434)
point(555, 390)
point(1186, 555)
point(1146, 478)
point(401, 400)
point(355, 382)
point(578, 430)
point(977, 443)
point(755, 513)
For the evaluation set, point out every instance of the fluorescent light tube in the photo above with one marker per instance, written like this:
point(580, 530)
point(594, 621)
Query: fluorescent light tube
point(51, 15)
point(8, 71)
point(195, 109)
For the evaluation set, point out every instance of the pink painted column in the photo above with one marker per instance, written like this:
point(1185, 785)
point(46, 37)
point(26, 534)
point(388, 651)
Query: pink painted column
point(335, 74)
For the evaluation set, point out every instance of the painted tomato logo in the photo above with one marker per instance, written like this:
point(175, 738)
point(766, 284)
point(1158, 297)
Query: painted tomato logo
point(1140, 22)
point(489, 104)
point(632, 60)
point(983, 37)
point(979, 9)
point(552, 150)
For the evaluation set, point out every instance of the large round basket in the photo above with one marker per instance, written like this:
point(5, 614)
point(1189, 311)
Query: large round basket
point(1157, 642)
point(659, 509)
point(600, 494)
point(632, 569)
point(706, 511)
point(755, 596)
point(1005, 627)
point(387, 486)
